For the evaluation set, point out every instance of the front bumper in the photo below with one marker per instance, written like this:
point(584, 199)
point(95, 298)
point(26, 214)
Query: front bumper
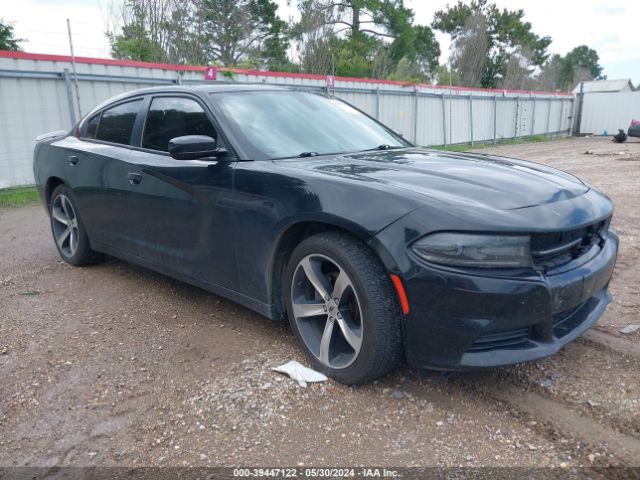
point(460, 320)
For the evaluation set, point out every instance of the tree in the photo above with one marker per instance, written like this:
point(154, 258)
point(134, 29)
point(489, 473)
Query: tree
point(518, 71)
point(564, 73)
point(580, 64)
point(380, 18)
point(226, 32)
point(416, 51)
point(236, 31)
point(469, 51)
point(445, 76)
point(506, 32)
point(8, 40)
point(165, 31)
point(134, 43)
point(364, 38)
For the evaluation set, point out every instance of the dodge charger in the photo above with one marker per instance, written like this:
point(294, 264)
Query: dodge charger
point(301, 206)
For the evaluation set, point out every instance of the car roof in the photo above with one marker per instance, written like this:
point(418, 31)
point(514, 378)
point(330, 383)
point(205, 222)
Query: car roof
point(197, 89)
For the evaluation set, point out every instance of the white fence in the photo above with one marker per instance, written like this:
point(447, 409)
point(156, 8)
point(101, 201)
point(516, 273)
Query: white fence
point(607, 112)
point(37, 95)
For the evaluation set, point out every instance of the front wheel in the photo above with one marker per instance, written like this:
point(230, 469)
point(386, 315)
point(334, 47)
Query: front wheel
point(343, 309)
point(68, 230)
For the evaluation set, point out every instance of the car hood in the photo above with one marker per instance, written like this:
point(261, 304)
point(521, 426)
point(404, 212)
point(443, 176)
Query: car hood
point(455, 178)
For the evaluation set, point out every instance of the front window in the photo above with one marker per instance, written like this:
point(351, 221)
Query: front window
point(171, 117)
point(290, 124)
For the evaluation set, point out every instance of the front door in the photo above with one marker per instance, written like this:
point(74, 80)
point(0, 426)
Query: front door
point(178, 206)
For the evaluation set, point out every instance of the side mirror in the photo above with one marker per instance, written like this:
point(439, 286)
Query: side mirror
point(194, 147)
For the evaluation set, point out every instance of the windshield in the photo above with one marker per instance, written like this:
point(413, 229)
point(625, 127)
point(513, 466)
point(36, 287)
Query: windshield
point(282, 124)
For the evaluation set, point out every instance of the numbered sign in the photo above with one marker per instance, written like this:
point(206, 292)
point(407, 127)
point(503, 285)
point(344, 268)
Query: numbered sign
point(210, 73)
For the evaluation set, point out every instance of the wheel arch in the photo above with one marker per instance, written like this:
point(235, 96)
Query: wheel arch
point(294, 233)
point(49, 187)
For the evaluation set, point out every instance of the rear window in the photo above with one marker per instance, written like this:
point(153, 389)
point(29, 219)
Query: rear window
point(116, 124)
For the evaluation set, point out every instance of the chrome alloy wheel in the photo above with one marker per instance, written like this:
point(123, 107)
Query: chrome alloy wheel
point(327, 311)
point(65, 225)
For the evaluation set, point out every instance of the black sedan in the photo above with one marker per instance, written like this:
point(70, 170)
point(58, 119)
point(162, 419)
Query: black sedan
point(300, 206)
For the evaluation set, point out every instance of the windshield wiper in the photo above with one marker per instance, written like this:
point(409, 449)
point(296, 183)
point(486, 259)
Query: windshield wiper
point(382, 147)
point(308, 154)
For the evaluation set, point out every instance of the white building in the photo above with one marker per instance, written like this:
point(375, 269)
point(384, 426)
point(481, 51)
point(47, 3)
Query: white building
point(621, 85)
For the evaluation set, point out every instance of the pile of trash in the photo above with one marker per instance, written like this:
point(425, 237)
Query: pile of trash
point(633, 131)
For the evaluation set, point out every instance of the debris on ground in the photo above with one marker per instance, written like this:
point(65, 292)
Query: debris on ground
point(607, 154)
point(300, 373)
point(630, 328)
point(619, 137)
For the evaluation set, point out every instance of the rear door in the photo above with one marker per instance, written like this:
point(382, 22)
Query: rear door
point(178, 206)
point(101, 169)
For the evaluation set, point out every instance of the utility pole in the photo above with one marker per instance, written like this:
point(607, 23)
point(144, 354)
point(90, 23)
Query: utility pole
point(73, 65)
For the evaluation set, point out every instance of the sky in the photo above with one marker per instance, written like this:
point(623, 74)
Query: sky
point(610, 27)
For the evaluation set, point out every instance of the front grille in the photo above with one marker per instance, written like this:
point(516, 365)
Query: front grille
point(507, 338)
point(552, 250)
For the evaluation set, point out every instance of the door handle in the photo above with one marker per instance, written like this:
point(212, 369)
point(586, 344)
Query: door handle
point(134, 178)
point(73, 160)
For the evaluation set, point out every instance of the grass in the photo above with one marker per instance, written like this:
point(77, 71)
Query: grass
point(18, 196)
point(464, 147)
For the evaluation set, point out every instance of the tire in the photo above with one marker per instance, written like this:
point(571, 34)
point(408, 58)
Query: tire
point(364, 328)
point(68, 231)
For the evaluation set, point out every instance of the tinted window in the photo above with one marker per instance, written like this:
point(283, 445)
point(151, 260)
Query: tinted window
point(116, 123)
point(171, 117)
point(286, 124)
point(92, 127)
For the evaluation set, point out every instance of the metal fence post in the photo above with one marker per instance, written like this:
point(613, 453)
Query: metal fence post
point(377, 103)
point(67, 84)
point(495, 118)
point(579, 108)
point(444, 121)
point(572, 110)
point(515, 134)
point(471, 117)
point(415, 116)
point(546, 130)
point(533, 120)
point(561, 114)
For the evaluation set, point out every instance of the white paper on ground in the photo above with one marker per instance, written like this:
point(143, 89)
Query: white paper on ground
point(300, 373)
point(630, 328)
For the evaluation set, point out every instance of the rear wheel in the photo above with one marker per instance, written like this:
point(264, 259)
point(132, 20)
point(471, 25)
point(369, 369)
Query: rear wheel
point(343, 309)
point(68, 230)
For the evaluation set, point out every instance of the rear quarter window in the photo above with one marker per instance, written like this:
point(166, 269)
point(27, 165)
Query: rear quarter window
point(91, 129)
point(116, 123)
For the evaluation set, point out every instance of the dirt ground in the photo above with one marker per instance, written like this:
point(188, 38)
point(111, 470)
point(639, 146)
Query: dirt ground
point(116, 365)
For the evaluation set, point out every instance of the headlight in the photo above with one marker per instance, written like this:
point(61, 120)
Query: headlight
point(471, 250)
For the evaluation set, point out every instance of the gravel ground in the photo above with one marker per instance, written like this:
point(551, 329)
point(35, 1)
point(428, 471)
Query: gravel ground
point(114, 365)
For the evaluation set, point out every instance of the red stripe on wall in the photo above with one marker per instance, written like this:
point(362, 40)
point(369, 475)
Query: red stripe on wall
point(261, 73)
